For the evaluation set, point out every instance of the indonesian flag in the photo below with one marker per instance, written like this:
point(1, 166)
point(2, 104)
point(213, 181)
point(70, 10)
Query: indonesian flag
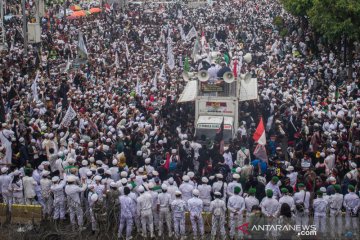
point(259, 135)
point(260, 138)
point(235, 68)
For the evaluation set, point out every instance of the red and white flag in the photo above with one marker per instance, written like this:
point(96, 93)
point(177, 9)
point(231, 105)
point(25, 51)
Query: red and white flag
point(259, 135)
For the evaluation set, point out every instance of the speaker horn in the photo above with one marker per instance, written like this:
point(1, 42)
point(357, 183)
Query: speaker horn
point(203, 76)
point(187, 75)
point(246, 77)
point(229, 77)
point(248, 58)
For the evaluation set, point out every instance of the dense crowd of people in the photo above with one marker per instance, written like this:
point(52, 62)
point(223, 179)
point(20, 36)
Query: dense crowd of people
point(130, 158)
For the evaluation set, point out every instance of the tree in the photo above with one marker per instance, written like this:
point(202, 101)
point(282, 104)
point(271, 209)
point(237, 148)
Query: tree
point(297, 8)
point(337, 20)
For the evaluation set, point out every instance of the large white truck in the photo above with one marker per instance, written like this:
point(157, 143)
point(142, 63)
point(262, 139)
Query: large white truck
point(218, 102)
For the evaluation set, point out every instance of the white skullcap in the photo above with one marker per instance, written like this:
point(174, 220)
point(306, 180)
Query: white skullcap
point(92, 159)
point(71, 178)
point(123, 174)
point(4, 169)
point(236, 176)
point(108, 172)
point(141, 189)
point(147, 160)
point(97, 178)
point(177, 193)
point(191, 174)
point(113, 184)
point(71, 160)
point(114, 162)
point(171, 180)
point(123, 181)
point(155, 173)
point(195, 192)
point(185, 178)
point(89, 173)
point(238, 169)
point(219, 175)
point(55, 179)
point(164, 187)
point(94, 197)
point(45, 173)
point(84, 162)
point(204, 180)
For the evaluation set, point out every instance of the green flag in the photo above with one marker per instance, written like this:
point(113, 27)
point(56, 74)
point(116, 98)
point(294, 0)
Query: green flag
point(227, 58)
point(186, 64)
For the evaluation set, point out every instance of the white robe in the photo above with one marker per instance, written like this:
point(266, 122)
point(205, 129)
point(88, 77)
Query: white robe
point(5, 138)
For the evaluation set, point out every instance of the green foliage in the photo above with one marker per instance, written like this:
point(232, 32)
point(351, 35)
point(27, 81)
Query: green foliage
point(284, 32)
point(336, 18)
point(278, 22)
point(297, 7)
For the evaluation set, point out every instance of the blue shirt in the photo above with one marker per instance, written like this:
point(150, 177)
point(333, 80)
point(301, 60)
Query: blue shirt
point(263, 165)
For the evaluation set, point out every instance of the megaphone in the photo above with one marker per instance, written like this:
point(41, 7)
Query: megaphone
point(248, 58)
point(197, 57)
point(246, 77)
point(187, 75)
point(203, 76)
point(229, 77)
point(214, 54)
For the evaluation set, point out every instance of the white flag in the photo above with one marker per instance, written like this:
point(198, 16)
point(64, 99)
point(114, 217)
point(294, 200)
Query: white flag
point(154, 83)
point(138, 87)
point(192, 33)
point(117, 65)
point(182, 34)
point(180, 14)
point(68, 64)
point(81, 45)
point(127, 52)
point(69, 115)
point(162, 73)
point(170, 56)
point(34, 89)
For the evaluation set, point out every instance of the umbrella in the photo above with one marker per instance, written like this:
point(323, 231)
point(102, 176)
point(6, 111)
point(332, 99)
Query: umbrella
point(75, 8)
point(77, 14)
point(94, 10)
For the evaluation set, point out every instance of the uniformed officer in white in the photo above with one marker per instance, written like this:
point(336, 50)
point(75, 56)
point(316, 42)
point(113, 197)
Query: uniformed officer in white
point(235, 183)
point(320, 210)
point(186, 188)
point(269, 207)
point(302, 217)
point(178, 207)
point(205, 193)
point(220, 186)
point(163, 205)
point(144, 209)
point(127, 213)
point(218, 210)
point(335, 205)
point(250, 201)
point(195, 206)
point(73, 199)
point(286, 198)
point(236, 206)
point(352, 205)
point(57, 189)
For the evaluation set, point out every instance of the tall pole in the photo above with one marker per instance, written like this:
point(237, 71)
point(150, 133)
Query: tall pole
point(2, 40)
point(24, 27)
